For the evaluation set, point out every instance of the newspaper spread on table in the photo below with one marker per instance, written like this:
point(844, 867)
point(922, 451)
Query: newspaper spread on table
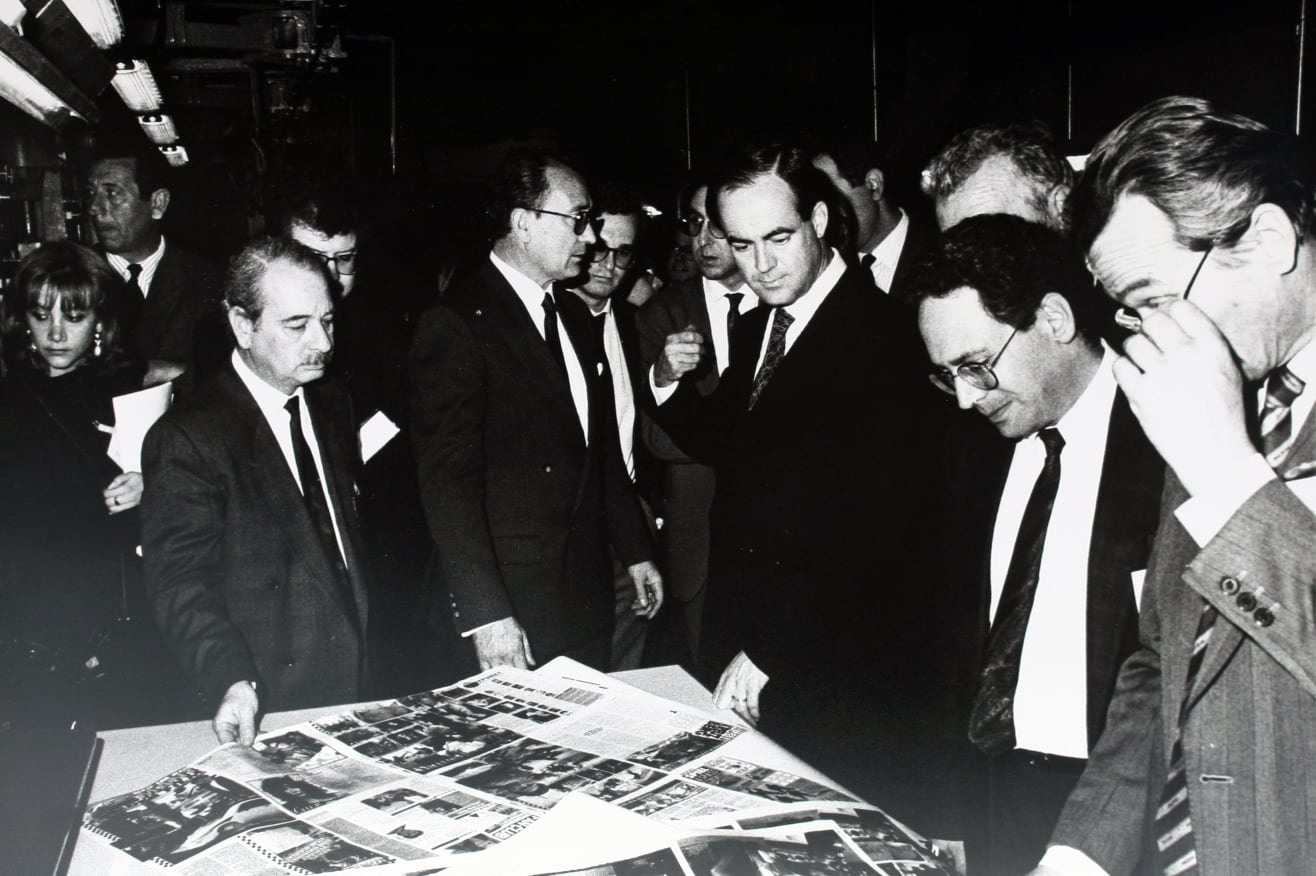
point(561, 770)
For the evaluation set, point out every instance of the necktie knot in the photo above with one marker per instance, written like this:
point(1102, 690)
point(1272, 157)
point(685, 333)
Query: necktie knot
point(1053, 441)
point(549, 305)
point(733, 299)
point(781, 321)
point(134, 271)
point(294, 407)
point(866, 260)
point(1283, 387)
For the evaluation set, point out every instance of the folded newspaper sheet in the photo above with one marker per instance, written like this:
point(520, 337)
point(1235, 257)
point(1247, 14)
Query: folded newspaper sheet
point(439, 781)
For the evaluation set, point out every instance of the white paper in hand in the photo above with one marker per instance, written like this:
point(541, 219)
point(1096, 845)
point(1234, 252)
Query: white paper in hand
point(375, 433)
point(134, 414)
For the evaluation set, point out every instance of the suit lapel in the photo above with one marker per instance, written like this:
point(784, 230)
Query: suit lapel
point(337, 472)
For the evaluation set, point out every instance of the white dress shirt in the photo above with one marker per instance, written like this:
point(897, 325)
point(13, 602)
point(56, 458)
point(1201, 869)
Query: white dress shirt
point(271, 402)
point(886, 255)
point(715, 299)
point(149, 265)
point(623, 394)
point(532, 297)
point(1050, 700)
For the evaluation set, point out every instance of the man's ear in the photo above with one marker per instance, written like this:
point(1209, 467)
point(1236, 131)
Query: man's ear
point(520, 222)
point(1057, 200)
point(159, 203)
point(875, 180)
point(1056, 317)
point(819, 219)
point(243, 326)
point(1271, 238)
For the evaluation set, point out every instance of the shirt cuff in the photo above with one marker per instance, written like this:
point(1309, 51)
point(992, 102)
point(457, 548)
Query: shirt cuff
point(661, 393)
point(1071, 862)
point(1206, 514)
point(473, 630)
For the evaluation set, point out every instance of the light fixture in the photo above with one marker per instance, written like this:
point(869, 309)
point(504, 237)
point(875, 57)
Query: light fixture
point(100, 19)
point(37, 87)
point(159, 128)
point(136, 85)
point(175, 154)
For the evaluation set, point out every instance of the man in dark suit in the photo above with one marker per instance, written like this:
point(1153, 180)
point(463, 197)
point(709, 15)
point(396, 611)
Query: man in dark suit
point(1009, 319)
point(520, 472)
point(169, 287)
point(1200, 221)
point(887, 239)
point(249, 532)
point(711, 303)
point(806, 567)
point(1000, 168)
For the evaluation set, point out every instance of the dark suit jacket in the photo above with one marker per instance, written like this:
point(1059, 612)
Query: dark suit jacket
point(242, 587)
point(815, 490)
point(183, 286)
point(921, 235)
point(520, 507)
point(1249, 749)
point(978, 461)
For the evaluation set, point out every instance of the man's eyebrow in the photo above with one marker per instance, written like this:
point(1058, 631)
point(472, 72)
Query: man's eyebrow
point(979, 354)
point(773, 233)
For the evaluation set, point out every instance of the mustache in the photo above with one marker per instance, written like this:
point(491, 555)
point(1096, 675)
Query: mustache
point(317, 360)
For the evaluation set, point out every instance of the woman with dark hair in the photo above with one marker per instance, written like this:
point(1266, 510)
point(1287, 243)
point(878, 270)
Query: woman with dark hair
point(76, 640)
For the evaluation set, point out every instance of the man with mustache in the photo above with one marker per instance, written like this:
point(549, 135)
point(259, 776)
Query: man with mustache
point(520, 472)
point(254, 558)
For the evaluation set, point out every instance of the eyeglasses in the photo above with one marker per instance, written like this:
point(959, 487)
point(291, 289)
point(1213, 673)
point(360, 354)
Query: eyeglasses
point(622, 256)
point(694, 223)
point(1128, 319)
point(979, 375)
point(342, 262)
point(580, 220)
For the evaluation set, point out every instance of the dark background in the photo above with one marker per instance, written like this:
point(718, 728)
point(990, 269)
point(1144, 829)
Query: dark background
point(430, 94)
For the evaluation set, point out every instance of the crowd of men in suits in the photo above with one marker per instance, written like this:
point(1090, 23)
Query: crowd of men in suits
point(1067, 618)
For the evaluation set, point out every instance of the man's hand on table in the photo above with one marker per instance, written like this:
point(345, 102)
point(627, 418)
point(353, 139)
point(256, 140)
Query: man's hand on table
point(235, 719)
point(503, 643)
point(739, 687)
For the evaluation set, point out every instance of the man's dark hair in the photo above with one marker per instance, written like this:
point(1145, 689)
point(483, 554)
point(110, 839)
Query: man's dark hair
point(247, 269)
point(616, 198)
point(1029, 146)
point(331, 210)
point(1012, 264)
point(520, 181)
point(853, 156)
point(795, 167)
point(150, 169)
point(1204, 168)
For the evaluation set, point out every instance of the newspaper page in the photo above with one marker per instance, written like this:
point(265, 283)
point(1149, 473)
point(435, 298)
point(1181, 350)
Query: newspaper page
point(441, 777)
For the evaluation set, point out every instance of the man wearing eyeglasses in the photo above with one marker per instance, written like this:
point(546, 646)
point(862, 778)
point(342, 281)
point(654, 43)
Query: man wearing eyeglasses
point(617, 348)
point(1200, 220)
point(711, 303)
point(521, 476)
point(1051, 498)
point(818, 436)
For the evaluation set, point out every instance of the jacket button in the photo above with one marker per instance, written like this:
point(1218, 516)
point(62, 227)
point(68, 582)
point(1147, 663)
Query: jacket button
point(1246, 601)
point(1263, 617)
point(548, 469)
point(1228, 585)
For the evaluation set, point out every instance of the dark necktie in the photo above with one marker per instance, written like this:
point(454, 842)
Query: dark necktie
point(866, 261)
point(733, 313)
point(991, 723)
point(1176, 846)
point(317, 504)
point(130, 310)
point(781, 321)
point(551, 336)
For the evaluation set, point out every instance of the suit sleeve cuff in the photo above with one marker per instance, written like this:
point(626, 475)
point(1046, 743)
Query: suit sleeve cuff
point(1070, 862)
point(473, 630)
point(1204, 515)
point(660, 393)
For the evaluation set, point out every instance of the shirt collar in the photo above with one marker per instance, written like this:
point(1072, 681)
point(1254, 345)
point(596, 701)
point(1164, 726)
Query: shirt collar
point(1092, 408)
point(268, 399)
point(1303, 365)
point(120, 264)
point(530, 292)
point(804, 307)
point(887, 251)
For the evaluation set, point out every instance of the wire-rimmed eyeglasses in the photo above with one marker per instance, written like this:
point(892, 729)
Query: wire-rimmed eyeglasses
point(979, 375)
point(622, 256)
point(1128, 319)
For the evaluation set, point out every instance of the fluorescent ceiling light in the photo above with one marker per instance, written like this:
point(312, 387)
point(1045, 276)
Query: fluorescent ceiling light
point(100, 19)
point(175, 154)
point(159, 129)
point(30, 82)
point(136, 85)
point(22, 89)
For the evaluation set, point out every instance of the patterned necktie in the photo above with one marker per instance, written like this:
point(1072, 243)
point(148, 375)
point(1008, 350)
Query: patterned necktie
point(1282, 388)
point(1175, 844)
point(781, 321)
point(733, 313)
point(317, 504)
point(551, 333)
point(991, 723)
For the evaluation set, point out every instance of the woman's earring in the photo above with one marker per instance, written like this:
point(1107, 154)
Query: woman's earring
point(31, 341)
point(96, 344)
